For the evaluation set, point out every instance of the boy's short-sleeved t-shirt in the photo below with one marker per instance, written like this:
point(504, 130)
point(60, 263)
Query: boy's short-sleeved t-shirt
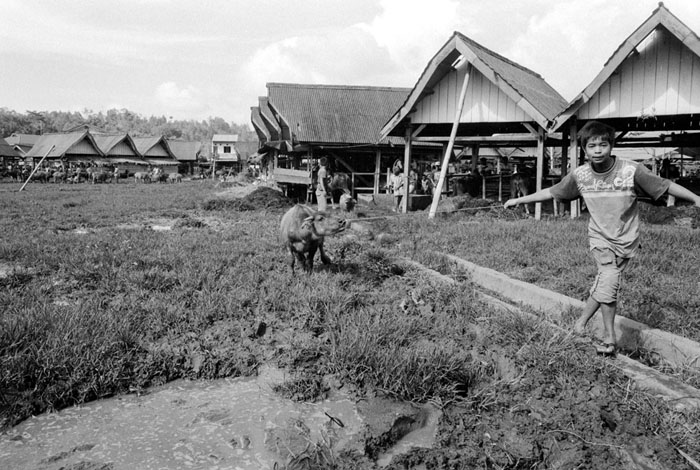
point(611, 198)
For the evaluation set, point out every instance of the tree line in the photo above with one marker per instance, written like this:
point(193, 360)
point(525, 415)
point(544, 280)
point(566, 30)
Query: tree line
point(117, 121)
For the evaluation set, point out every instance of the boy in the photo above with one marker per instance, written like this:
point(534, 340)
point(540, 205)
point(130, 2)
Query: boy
point(610, 187)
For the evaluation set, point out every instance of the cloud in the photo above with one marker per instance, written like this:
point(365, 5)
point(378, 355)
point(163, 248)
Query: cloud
point(410, 33)
point(183, 100)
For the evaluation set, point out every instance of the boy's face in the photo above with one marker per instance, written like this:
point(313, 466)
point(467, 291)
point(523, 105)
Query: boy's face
point(598, 151)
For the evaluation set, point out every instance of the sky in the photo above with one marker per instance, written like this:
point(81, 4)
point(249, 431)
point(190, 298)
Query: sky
point(197, 59)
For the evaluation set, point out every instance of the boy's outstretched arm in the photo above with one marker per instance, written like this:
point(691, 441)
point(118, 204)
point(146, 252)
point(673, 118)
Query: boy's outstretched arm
point(539, 196)
point(683, 193)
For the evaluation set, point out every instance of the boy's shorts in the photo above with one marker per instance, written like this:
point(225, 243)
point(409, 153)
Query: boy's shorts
point(610, 269)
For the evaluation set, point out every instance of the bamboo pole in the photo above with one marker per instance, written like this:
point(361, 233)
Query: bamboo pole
point(450, 145)
point(37, 166)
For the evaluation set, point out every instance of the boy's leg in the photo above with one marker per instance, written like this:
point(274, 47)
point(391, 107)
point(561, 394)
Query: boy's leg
point(588, 311)
point(609, 311)
point(605, 291)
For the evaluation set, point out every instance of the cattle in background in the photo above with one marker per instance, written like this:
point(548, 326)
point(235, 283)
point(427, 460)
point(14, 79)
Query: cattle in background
point(120, 175)
point(174, 178)
point(142, 176)
point(521, 185)
point(59, 176)
point(340, 184)
point(41, 175)
point(99, 175)
point(469, 184)
point(303, 230)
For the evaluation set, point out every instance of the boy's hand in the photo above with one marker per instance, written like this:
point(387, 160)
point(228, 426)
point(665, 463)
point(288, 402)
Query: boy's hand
point(511, 203)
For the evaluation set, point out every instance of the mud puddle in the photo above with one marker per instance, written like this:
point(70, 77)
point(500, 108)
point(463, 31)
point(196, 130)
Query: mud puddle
point(222, 424)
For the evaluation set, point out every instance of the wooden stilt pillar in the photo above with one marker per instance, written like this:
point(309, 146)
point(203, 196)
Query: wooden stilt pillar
point(540, 170)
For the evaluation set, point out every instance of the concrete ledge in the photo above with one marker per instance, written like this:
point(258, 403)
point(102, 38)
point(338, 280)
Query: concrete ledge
point(675, 349)
point(678, 394)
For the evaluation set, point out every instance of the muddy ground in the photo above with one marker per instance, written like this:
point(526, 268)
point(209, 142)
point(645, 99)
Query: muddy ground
point(553, 403)
point(536, 415)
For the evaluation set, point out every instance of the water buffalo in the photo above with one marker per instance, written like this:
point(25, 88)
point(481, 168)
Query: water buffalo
point(469, 184)
point(142, 176)
point(340, 184)
point(520, 185)
point(100, 177)
point(303, 230)
point(174, 178)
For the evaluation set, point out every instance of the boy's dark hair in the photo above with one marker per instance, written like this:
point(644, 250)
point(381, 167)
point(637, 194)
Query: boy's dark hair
point(323, 161)
point(593, 129)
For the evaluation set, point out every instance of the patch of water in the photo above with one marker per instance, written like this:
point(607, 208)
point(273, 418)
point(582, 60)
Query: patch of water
point(222, 424)
point(423, 437)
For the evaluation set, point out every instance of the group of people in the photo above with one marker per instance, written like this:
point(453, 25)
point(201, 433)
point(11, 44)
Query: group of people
point(417, 183)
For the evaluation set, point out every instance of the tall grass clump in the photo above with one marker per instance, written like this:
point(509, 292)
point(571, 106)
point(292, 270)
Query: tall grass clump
point(409, 351)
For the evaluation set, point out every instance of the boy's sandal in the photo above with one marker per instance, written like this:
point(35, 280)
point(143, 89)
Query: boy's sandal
point(606, 349)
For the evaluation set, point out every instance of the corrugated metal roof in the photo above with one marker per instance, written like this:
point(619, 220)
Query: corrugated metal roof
point(22, 139)
point(6, 150)
point(529, 84)
point(259, 124)
point(225, 138)
point(121, 145)
point(661, 16)
point(338, 114)
point(185, 150)
point(154, 147)
point(75, 142)
point(269, 119)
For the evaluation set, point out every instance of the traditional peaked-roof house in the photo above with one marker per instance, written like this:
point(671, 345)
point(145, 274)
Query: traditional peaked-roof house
point(119, 149)
point(649, 83)
point(500, 97)
point(647, 90)
point(299, 122)
point(7, 152)
point(71, 147)
point(155, 151)
point(469, 95)
point(22, 143)
point(186, 152)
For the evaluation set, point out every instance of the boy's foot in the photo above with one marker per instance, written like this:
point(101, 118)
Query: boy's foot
point(580, 326)
point(606, 349)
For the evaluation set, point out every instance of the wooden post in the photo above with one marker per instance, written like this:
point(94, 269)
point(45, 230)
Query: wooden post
point(500, 187)
point(450, 144)
point(406, 167)
point(36, 167)
point(573, 162)
point(564, 160)
point(540, 170)
point(377, 170)
point(475, 157)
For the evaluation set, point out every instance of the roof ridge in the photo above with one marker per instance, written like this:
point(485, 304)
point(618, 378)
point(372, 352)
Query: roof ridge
point(499, 56)
point(342, 87)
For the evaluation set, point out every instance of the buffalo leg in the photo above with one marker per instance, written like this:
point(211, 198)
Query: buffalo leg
point(310, 259)
point(324, 257)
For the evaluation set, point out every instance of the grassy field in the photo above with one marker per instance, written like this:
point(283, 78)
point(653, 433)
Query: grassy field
point(97, 301)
